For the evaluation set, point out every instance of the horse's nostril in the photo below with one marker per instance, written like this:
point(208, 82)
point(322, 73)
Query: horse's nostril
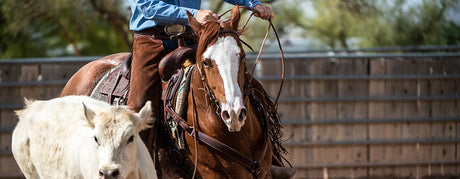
point(242, 115)
point(225, 114)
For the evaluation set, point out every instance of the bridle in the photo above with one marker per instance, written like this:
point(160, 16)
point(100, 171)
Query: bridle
point(207, 90)
point(250, 164)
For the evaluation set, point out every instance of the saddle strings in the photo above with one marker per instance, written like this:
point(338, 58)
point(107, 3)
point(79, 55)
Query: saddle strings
point(270, 25)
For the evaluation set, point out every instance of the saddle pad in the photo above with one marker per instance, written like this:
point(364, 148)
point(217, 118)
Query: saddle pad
point(113, 87)
point(179, 104)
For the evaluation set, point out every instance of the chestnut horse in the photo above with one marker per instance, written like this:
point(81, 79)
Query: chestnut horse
point(219, 104)
point(218, 82)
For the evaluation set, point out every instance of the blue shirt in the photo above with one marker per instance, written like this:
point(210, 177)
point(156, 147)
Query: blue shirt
point(149, 13)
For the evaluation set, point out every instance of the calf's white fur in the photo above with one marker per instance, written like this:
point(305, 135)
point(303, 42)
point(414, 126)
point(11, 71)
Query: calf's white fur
point(80, 137)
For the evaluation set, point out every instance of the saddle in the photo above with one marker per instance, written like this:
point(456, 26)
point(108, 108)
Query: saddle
point(113, 87)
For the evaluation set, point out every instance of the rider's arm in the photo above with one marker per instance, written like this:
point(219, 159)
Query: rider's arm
point(162, 12)
point(249, 3)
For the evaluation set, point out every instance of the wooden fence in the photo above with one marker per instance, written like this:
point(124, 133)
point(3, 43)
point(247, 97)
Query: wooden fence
point(344, 116)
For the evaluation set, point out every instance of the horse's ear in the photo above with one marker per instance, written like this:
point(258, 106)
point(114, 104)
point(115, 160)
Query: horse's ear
point(235, 20)
point(196, 26)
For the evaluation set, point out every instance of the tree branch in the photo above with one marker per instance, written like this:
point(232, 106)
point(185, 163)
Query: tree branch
point(118, 21)
point(436, 18)
point(63, 30)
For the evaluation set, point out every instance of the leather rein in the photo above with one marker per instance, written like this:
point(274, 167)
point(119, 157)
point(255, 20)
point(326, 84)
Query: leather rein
point(250, 164)
point(270, 25)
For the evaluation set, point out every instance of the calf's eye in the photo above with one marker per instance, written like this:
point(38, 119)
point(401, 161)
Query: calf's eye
point(95, 139)
point(131, 139)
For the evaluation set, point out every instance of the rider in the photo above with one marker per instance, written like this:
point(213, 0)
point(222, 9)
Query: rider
point(148, 21)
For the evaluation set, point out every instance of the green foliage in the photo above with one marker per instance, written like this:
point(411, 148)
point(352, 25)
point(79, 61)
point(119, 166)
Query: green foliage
point(37, 28)
point(61, 28)
point(365, 23)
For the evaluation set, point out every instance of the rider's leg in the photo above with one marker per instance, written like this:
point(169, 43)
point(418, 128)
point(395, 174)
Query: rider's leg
point(145, 83)
point(145, 79)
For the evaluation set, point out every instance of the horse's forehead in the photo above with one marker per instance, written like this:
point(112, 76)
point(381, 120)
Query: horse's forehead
point(225, 47)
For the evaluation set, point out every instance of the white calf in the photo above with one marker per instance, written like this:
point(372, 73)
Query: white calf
point(80, 137)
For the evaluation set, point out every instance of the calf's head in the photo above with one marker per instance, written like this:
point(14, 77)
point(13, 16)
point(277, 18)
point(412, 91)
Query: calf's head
point(115, 138)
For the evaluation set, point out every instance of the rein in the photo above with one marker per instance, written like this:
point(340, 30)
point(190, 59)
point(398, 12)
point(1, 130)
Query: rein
point(252, 165)
point(270, 25)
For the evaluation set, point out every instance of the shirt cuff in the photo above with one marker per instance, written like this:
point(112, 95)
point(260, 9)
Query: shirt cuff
point(183, 13)
point(253, 3)
point(193, 11)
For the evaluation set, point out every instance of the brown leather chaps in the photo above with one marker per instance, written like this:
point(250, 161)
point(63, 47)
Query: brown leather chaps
point(145, 78)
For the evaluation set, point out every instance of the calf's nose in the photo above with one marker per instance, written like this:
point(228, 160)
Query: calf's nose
point(109, 173)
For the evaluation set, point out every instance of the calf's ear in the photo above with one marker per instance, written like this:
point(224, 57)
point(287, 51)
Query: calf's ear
point(145, 116)
point(89, 115)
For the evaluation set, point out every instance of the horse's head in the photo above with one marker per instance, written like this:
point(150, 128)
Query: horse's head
point(220, 57)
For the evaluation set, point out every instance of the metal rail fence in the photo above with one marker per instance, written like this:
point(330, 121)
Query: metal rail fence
point(344, 115)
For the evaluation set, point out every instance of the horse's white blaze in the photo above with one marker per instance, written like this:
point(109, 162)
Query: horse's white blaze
point(225, 54)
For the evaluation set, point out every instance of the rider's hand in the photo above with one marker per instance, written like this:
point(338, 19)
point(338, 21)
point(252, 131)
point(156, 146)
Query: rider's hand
point(265, 12)
point(203, 16)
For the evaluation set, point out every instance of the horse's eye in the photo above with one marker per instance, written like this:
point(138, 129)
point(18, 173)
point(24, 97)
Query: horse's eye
point(131, 139)
point(206, 63)
point(95, 139)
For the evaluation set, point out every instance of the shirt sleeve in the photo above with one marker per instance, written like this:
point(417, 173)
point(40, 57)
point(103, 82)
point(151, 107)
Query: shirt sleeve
point(249, 3)
point(162, 12)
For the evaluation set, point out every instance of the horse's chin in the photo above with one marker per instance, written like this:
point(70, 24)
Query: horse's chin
point(234, 125)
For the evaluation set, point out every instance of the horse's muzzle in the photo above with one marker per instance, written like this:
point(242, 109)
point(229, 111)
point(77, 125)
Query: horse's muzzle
point(234, 118)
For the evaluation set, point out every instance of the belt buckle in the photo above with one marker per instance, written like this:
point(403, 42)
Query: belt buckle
point(174, 29)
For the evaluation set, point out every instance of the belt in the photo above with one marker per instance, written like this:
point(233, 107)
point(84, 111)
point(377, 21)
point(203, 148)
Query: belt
point(167, 32)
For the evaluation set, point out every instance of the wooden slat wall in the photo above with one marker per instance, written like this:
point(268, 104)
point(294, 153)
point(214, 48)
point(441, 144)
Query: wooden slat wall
point(16, 95)
point(10, 95)
point(319, 160)
point(376, 111)
point(313, 160)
